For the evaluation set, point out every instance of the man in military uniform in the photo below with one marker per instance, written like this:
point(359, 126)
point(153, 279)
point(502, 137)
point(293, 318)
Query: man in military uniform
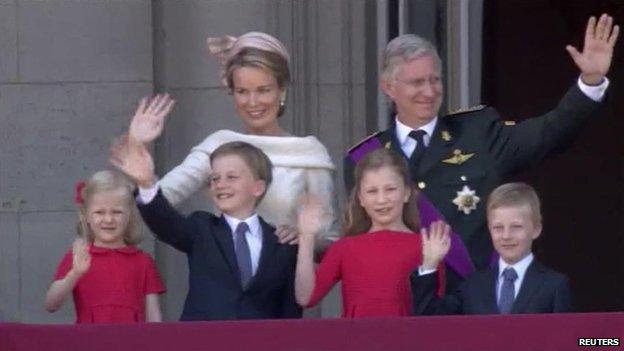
point(458, 159)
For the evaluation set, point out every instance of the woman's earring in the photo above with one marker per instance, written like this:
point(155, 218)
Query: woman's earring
point(282, 104)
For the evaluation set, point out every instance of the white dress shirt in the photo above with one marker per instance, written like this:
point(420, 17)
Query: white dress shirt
point(146, 195)
point(407, 143)
point(253, 235)
point(520, 267)
point(594, 92)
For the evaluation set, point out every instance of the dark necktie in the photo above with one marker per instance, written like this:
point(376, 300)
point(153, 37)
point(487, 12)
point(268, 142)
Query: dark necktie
point(419, 136)
point(508, 290)
point(243, 257)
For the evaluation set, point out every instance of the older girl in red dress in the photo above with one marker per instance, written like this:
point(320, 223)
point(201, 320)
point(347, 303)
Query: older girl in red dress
point(112, 281)
point(381, 246)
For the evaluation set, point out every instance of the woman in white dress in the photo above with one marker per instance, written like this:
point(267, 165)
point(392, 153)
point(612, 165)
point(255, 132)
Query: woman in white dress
point(255, 70)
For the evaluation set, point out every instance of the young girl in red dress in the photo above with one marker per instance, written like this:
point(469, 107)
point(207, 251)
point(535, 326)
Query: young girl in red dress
point(381, 246)
point(112, 281)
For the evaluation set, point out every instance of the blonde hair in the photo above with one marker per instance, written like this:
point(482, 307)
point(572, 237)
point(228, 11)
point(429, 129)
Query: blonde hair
point(108, 181)
point(355, 219)
point(516, 195)
point(268, 61)
point(257, 58)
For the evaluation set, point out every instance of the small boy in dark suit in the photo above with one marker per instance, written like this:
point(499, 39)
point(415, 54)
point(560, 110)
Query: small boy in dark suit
point(516, 283)
point(237, 268)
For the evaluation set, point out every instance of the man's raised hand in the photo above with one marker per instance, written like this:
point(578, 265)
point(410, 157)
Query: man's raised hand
point(595, 60)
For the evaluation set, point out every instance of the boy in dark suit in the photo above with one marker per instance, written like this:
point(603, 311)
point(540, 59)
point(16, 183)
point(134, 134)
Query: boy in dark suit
point(516, 283)
point(237, 268)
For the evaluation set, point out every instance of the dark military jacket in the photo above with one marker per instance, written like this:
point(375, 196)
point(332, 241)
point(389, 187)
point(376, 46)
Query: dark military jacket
point(477, 149)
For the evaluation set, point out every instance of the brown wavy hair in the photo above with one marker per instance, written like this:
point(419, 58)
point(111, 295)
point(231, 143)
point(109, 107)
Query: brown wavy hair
point(355, 219)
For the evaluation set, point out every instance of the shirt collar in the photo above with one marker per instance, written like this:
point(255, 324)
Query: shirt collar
point(402, 130)
point(128, 250)
point(520, 267)
point(252, 221)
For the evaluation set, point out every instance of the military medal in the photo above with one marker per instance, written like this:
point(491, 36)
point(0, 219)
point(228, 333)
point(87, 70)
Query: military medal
point(466, 200)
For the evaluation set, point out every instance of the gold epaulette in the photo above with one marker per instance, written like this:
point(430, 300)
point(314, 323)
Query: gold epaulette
point(466, 109)
point(364, 141)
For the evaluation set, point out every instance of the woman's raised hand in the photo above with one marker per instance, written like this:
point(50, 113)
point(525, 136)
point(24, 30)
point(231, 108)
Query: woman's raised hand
point(149, 119)
point(436, 243)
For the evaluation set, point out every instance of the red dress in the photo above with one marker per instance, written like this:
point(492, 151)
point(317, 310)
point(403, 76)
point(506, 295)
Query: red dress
point(374, 269)
point(113, 289)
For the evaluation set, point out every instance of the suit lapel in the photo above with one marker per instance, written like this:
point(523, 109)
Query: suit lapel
point(438, 147)
point(389, 136)
point(269, 244)
point(531, 283)
point(489, 294)
point(225, 241)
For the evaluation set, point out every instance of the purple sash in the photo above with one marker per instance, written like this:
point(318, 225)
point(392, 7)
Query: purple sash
point(458, 257)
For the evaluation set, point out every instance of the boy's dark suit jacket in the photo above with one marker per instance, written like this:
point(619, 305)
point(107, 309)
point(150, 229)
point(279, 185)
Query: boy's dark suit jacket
point(215, 291)
point(542, 291)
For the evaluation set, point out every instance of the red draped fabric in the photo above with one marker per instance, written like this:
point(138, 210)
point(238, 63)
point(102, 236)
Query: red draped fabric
point(519, 332)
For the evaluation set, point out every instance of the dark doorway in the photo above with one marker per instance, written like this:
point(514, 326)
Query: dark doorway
point(526, 69)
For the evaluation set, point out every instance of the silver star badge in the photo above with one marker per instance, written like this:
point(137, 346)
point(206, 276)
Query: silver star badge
point(466, 200)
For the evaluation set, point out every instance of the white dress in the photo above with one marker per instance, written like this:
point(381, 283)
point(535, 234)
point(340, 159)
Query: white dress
point(299, 164)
